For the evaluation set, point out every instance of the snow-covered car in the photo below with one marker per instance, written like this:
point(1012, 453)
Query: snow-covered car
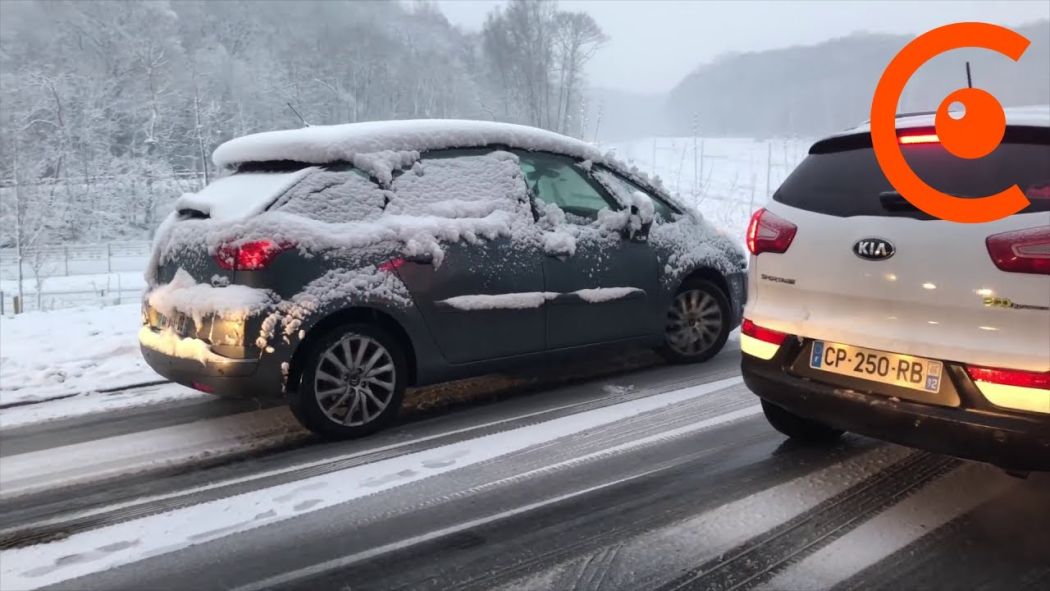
point(868, 315)
point(341, 264)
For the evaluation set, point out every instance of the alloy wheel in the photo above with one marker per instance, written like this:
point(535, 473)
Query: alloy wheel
point(355, 380)
point(694, 322)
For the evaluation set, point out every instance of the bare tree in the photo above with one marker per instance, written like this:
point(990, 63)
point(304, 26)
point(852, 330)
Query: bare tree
point(578, 38)
point(537, 54)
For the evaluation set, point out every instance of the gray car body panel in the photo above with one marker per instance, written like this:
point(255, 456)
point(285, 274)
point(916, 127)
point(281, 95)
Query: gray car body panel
point(448, 343)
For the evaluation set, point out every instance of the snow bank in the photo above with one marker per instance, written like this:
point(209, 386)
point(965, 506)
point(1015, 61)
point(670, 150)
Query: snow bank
point(45, 355)
point(332, 143)
point(95, 403)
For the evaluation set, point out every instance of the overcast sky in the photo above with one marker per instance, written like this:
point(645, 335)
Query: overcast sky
point(655, 43)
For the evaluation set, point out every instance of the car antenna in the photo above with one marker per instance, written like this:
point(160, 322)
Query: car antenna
point(969, 80)
point(305, 124)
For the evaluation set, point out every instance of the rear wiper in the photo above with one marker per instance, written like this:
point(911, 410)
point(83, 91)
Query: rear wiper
point(894, 201)
point(192, 214)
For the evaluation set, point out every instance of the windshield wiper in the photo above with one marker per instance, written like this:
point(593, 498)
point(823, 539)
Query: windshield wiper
point(894, 201)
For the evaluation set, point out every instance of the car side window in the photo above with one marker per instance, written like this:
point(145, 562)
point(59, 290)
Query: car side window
point(557, 180)
point(623, 188)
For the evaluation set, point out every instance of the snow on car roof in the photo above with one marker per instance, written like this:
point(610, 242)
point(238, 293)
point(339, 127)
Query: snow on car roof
point(1032, 115)
point(332, 143)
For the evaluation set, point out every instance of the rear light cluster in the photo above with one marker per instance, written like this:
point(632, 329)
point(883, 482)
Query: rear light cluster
point(762, 333)
point(392, 265)
point(759, 341)
point(1009, 388)
point(1011, 377)
point(249, 256)
point(1021, 251)
point(769, 233)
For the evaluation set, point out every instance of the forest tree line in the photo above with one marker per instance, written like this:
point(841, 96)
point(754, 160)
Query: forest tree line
point(107, 107)
point(809, 91)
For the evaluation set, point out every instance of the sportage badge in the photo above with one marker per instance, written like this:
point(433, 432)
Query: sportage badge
point(873, 249)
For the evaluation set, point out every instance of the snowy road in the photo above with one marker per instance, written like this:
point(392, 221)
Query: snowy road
point(659, 477)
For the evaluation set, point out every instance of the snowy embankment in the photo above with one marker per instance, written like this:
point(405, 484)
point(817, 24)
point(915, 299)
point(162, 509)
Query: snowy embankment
point(72, 355)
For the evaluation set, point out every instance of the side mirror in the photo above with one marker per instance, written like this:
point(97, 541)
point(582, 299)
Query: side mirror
point(641, 218)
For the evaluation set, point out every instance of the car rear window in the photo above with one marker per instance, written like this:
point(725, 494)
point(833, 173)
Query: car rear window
point(450, 184)
point(239, 195)
point(336, 194)
point(848, 181)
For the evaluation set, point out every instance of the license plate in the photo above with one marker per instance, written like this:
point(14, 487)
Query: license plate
point(180, 323)
point(905, 371)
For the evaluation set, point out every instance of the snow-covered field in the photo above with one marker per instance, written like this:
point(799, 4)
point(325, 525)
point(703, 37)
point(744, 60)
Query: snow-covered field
point(48, 355)
point(90, 289)
point(725, 178)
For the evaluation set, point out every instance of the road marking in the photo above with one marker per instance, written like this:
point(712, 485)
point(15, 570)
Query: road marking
point(123, 543)
point(712, 534)
point(938, 503)
point(79, 463)
point(66, 519)
point(345, 561)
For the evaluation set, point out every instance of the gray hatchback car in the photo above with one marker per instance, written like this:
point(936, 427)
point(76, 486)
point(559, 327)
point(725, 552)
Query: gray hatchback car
point(338, 265)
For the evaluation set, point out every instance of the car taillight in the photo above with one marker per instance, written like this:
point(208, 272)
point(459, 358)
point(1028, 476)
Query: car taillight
point(759, 341)
point(766, 335)
point(1021, 251)
point(249, 256)
point(392, 265)
point(919, 138)
point(769, 233)
point(1010, 388)
point(1011, 377)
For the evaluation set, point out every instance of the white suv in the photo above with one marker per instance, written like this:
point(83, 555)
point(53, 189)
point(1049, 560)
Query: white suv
point(867, 315)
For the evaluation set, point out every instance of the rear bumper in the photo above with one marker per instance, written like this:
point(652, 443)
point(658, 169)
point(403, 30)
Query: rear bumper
point(975, 429)
point(222, 376)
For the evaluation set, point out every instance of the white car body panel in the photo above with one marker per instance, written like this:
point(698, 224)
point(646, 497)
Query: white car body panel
point(929, 299)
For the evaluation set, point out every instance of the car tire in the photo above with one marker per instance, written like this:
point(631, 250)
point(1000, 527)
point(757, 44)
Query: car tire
point(697, 323)
point(353, 380)
point(799, 428)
